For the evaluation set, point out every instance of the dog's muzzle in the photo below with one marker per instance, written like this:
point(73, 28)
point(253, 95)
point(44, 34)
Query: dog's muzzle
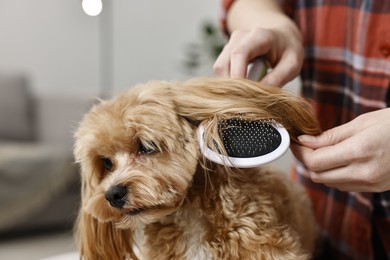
point(116, 196)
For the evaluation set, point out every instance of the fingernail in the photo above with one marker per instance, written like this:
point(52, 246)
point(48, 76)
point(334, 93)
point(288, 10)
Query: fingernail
point(306, 138)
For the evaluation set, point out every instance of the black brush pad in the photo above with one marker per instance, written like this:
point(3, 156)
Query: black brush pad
point(246, 138)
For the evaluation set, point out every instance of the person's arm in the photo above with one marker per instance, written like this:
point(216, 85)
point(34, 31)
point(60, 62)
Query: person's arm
point(247, 14)
point(260, 28)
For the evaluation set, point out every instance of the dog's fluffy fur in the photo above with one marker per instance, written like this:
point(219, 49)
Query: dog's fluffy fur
point(179, 205)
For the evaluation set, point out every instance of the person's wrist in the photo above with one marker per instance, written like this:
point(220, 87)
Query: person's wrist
point(286, 26)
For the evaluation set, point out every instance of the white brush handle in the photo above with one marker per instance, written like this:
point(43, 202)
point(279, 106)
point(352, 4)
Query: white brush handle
point(256, 69)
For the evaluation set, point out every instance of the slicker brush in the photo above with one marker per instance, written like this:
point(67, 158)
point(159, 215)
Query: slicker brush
point(246, 143)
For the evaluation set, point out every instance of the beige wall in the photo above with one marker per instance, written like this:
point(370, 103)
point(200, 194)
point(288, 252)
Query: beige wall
point(65, 52)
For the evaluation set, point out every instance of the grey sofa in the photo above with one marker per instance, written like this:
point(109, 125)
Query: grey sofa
point(39, 184)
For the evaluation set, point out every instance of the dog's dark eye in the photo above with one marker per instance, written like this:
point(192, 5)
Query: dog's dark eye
point(107, 163)
point(148, 148)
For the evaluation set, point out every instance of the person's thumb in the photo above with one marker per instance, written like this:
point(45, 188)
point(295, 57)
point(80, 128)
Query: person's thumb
point(330, 137)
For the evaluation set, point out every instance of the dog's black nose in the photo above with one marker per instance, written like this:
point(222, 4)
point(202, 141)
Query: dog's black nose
point(116, 196)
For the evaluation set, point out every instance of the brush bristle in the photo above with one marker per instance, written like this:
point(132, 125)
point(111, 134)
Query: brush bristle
point(244, 138)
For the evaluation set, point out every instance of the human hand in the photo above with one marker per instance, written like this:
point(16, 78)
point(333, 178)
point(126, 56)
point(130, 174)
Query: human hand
point(351, 157)
point(280, 45)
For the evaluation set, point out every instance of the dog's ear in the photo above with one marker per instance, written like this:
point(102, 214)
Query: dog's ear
point(213, 98)
point(96, 239)
point(99, 240)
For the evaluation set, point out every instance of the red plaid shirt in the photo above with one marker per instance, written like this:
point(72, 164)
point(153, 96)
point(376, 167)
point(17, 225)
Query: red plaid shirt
point(346, 72)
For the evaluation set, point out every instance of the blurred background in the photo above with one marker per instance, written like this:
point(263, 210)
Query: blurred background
point(55, 60)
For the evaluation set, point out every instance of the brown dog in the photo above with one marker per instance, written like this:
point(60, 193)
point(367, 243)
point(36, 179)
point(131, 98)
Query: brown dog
point(148, 193)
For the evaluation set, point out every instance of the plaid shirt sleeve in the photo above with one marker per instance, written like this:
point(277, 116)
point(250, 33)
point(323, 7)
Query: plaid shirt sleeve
point(346, 72)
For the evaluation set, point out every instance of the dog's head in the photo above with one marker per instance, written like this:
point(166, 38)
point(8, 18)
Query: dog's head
point(138, 151)
point(137, 156)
